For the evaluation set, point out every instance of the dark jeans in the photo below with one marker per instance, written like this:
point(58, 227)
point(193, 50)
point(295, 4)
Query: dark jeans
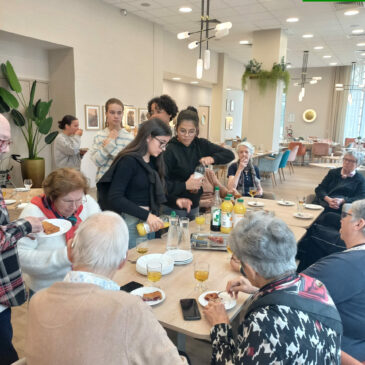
point(8, 355)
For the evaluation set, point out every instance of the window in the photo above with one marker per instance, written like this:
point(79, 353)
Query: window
point(355, 111)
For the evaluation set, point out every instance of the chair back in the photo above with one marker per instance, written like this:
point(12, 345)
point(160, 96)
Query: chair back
point(301, 150)
point(293, 154)
point(270, 165)
point(320, 149)
point(284, 159)
point(348, 141)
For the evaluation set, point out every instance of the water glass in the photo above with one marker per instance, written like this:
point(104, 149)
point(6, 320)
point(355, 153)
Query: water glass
point(28, 183)
point(184, 242)
point(141, 245)
point(173, 234)
point(300, 203)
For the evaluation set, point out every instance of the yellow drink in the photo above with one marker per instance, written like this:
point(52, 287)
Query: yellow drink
point(166, 224)
point(201, 275)
point(200, 219)
point(226, 215)
point(154, 276)
point(142, 250)
point(252, 192)
point(239, 211)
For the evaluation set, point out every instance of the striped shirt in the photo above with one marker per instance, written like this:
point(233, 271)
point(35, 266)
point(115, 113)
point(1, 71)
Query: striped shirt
point(104, 156)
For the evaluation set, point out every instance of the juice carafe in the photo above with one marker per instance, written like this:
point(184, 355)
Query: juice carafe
point(239, 211)
point(226, 215)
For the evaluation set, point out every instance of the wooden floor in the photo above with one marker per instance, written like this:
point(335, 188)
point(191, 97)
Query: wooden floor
point(303, 182)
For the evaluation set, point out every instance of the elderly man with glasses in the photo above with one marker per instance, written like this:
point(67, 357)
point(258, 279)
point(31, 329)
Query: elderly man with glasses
point(343, 274)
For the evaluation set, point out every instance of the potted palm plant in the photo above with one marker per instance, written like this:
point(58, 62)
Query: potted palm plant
point(33, 120)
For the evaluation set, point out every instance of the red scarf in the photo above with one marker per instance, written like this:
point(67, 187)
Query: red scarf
point(50, 212)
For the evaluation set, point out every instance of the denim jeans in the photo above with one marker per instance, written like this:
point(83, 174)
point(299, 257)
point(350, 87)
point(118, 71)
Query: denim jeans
point(133, 233)
point(8, 354)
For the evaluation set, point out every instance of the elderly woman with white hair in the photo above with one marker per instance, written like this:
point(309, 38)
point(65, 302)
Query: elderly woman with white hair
point(290, 318)
point(86, 319)
point(244, 174)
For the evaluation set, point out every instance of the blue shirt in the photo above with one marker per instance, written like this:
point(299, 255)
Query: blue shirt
point(246, 175)
point(343, 274)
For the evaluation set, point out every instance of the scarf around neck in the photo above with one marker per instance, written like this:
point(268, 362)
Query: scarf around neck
point(241, 181)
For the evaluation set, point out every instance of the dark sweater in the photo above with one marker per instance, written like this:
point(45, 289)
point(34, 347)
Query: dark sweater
point(334, 186)
point(181, 162)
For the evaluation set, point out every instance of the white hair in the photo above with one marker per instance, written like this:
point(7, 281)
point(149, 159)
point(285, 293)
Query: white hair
point(248, 145)
point(101, 243)
point(358, 211)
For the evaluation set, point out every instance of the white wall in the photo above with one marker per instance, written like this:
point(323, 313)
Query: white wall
point(317, 97)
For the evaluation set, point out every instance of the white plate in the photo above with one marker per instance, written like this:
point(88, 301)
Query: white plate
point(9, 201)
point(256, 204)
point(178, 263)
point(287, 203)
point(149, 289)
point(303, 215)
point(229, 302)
point(166, 261)
point(22, 205)
point(313, 206)
point(21, 189)
point(64, 225)
point(180, 256)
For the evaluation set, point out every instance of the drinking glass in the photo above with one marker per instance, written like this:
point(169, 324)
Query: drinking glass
point(300, 203)
point(28, 183)
point(200, 220)
point(142, 245)
point(252, 191)
point(154, 272)
point(201, 274)
point(184, 234)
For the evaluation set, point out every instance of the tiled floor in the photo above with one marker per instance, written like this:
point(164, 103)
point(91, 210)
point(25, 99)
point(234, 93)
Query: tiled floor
point(302, 182)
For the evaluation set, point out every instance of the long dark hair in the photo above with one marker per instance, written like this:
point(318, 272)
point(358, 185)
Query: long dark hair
point(151, 128)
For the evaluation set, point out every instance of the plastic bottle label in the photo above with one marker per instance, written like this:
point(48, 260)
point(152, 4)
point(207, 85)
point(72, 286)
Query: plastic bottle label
point(226, 220)
point(237, 218)
point(216, 217)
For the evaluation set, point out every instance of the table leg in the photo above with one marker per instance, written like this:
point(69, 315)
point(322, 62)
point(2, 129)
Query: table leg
point(181, 341)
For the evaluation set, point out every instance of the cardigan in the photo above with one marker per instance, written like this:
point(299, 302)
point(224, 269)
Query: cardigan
point(78, 323)
point(67, 151)
point(45, 259)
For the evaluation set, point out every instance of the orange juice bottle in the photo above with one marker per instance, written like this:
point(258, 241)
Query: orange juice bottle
point(226, 215)
point(239, 211)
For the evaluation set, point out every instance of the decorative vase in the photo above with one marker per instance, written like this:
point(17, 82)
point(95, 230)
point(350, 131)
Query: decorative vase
point(33, 169)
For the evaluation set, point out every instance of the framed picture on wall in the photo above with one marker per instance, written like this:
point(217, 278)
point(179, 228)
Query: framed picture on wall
point(92, 117)
point(103, 117)
point(228, 122)
point(142, 115)
point(130, 117)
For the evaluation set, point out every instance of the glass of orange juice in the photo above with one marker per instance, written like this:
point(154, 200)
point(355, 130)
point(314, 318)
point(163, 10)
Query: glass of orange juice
point(154, 272)
point(200, 220)
point(201, 274)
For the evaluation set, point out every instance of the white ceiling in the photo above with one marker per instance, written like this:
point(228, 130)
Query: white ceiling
point(330, 27)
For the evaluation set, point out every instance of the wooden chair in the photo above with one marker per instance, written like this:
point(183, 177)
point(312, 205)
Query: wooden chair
point(320, 149)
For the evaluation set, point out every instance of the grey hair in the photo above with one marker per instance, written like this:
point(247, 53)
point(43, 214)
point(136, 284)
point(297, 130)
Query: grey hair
point(264, 242)
point(101, 243)
point(249, 146)
point(358, 211)
point(359, 156)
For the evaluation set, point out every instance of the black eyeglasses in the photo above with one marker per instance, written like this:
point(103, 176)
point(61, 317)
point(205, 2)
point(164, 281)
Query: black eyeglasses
point(163, 144)
point(345, 214)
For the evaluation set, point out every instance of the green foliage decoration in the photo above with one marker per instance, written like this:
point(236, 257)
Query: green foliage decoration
point(34, 122)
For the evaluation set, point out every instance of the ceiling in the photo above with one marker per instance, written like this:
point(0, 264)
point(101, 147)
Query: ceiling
point(325, 20)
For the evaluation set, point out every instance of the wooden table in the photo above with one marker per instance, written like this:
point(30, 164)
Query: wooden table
point(180, 284)
point(286, 213)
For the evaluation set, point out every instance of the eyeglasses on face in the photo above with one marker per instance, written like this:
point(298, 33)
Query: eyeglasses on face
point(349, 160)
point(184, 132)
point(163, 144)
point(345, 214)
point(78, 202)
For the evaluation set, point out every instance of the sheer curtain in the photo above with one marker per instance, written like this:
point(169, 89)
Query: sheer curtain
point(339, 104)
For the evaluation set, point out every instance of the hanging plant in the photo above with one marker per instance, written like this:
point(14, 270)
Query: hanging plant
point(278, 72)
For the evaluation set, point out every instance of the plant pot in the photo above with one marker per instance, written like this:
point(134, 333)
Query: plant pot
point(33, 169)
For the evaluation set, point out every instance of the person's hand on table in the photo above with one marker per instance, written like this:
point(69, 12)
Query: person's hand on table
point(36, 223)
point(154, 222)
point(240, 284)
point(193, 184)
point(215, 313)
point(208, 160)
point(184, 203)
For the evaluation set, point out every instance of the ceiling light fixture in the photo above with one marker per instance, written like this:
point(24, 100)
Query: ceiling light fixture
point(362, 54)
point(228, 89)
point(318, 78)
point(292, 20)
point(327, 56)
point(176, 78)
point(357, 31)
point(307, 36)
point(333, 63)
point(318, 47)
point(312, 82)
point(351, 12)
point(303, 75)
point(245, 42)
point(221, 30)
point(361, 44)
point(185, 9)
point(194, 82)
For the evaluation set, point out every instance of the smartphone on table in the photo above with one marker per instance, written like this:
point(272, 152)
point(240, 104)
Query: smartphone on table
point(132, 285)
point(190, 309)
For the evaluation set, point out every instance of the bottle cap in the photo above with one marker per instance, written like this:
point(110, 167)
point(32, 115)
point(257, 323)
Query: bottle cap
point(173, 214)
point(229, 195)
point(240, 200)
point(227, 198)
point(216, 188)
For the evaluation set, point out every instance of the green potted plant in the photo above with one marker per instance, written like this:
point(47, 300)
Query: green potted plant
point(33, 121)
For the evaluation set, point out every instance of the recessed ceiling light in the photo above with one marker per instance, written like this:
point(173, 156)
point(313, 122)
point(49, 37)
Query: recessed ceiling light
point(351, 12)
point(362, 54)
point(185, 9)
point(357, 31)
point(176, 78)
point(317, 77)
point(313, 82)
point(318, 47)
point(228, 89)
point(194, 82)
point(307, 35)
point(145, 4)
point(292, 20)
point(245, 42)
point(327, 56)
point(333, 63)
point(361, 44)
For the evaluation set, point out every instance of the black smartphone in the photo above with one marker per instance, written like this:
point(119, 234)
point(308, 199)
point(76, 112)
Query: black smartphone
point(190, 309)
point(131, 286)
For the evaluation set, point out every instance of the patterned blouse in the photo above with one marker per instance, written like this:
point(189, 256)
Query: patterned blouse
point(277, 334)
